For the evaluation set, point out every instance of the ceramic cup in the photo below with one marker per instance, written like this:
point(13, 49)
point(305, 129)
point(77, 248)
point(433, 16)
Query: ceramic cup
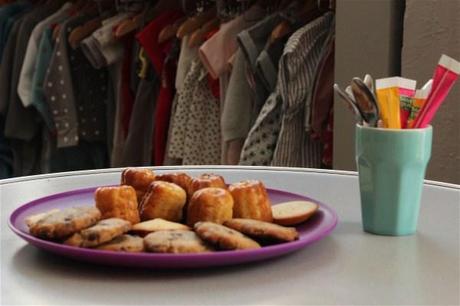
point(391, 166)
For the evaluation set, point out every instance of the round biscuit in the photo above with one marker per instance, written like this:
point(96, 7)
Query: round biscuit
point(223, 237)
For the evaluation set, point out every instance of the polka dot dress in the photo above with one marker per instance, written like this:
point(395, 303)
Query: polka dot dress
point(195, 134)
point(76, 92)
point(261, 141)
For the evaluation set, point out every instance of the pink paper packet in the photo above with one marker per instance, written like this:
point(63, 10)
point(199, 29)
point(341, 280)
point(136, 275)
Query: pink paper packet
point(418, 101)
point(445, 75)
point(406, 92)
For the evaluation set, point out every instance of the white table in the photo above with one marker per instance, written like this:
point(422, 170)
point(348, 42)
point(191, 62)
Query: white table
point(347, 267)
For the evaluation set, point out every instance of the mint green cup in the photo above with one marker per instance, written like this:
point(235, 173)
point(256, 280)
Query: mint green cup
point(391, 166)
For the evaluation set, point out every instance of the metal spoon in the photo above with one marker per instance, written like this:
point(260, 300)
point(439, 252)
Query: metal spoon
point(352, 97)
point(350, 93)
point(365, 101)
point(369, 81)
point(350, 103)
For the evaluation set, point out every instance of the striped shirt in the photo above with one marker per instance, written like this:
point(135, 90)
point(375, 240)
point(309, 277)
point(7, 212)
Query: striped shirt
point(278, 136)
point(302, 53)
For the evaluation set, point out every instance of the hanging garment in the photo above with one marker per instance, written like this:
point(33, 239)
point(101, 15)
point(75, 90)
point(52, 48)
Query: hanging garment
point(236, 115)
point(127, 92)
point(92, 52)
point(280, 114)
point(217, 51)
point(44, 55)
point(77, 97)
point(186, 57)
point(218, 54)
point(6, 154)
point(195, 137)
point(319, 121)
point(252, 41)
point(164, 59)
point(267, 63)
point(261, 141)
point(321, 95)
point(110, 48)
point(59, 92)
point(164, 103)
point(294, 147)
point(202, 133)
point(30, 58)
point(21, 123)
point(22, 126)
point(6, 157)
point(169, 160)
point(101, 48)
point(9, 13)
point(258, 147)
point(118, 142)
point(137, 150)
point(245, 93)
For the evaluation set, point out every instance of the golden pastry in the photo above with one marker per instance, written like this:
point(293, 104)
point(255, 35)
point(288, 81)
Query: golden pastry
point(251, 201)
point(205, 180)
point(163, 200)
point(210, 204)
point(178, 178)
point(139, 179)
point(117, 202)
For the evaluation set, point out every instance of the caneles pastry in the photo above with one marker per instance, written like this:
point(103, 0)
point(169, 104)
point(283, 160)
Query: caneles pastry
point(210, 204)
point(205, 180)
point(178, 178)
point(251, 201)
point(163, 200)
point(117, 202)
point(139, 179)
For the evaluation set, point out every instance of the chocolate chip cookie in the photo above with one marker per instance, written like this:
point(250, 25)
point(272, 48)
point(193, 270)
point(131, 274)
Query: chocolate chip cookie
point(104, 231)
point(224, 238)
point(61, 224)
point(268, 232)
point(176, 241)
point(123, 243)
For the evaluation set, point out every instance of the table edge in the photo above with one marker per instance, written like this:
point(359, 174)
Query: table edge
point(207, 167)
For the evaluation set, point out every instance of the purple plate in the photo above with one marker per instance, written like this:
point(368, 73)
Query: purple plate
point(317, 227)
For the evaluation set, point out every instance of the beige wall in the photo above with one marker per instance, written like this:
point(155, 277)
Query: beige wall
point(368, 39)
point(431, 28)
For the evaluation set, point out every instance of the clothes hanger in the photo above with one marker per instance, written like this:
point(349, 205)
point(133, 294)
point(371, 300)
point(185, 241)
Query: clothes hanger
point(104, 9)
point(284, 28)
point(195, 22)
point(83, 31)
point(281, 30)
point(199, 36)
point(80, 7)
point(169, 31)
point(131, 24)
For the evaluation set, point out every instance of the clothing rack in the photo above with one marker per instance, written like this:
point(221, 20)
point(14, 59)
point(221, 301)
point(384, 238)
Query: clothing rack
point(148, 83)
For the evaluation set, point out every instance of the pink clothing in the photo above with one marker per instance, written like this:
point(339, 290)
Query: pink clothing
point(216, 53)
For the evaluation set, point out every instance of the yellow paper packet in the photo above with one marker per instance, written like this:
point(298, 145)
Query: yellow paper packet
point(388, 99)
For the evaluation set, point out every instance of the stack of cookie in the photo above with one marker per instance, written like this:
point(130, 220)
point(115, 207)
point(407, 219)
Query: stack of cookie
point(173, 213)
